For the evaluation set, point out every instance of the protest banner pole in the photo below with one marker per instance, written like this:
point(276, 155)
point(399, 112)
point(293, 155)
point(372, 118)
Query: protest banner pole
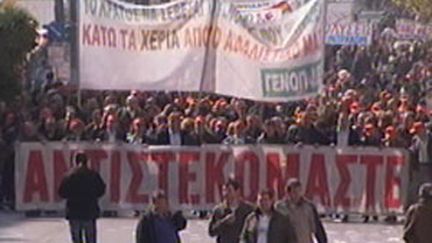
point(324, 31)
point(212, 25)
point(75, 63)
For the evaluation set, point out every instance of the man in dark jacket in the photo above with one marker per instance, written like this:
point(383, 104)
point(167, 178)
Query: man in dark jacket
point(159, 225)
point(82, 188)
point(112, 131)
point(228, 217)
point(266, 224)
point(417, 228)
point(171, 135)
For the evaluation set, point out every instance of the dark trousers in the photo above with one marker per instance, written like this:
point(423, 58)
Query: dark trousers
point(83, 229)
point(7, 184)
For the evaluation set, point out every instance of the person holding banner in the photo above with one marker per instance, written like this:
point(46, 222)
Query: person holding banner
point(266, 225)
point(159, 225)
point(229, 216)
point(172, 134)
point(82, 188)
point(303, 214)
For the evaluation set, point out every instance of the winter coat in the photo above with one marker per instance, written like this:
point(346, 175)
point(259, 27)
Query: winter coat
point(145, 231)
point(82, 188)
point(280, 229)
point(224, 231)
point(305, 219)
point(417, 228)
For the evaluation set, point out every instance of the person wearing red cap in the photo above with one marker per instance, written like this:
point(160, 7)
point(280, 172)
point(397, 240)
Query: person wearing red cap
point(76, 131)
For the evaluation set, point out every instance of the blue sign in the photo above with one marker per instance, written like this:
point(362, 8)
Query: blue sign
point(57, 32)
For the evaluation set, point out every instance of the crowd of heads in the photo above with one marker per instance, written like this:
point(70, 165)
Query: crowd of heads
point(372, 96)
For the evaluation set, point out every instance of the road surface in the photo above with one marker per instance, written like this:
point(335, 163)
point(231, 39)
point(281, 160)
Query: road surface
point(16, 228)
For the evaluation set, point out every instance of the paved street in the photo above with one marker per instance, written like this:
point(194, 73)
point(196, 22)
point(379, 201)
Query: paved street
point(16, 228)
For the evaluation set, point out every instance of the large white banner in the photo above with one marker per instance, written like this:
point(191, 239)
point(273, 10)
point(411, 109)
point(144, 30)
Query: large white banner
point(277, 57)
point(339, 180)
point(271, 50)
point(126, 46)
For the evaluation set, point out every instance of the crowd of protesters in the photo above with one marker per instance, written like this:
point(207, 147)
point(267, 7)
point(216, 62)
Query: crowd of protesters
point(373, 96)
